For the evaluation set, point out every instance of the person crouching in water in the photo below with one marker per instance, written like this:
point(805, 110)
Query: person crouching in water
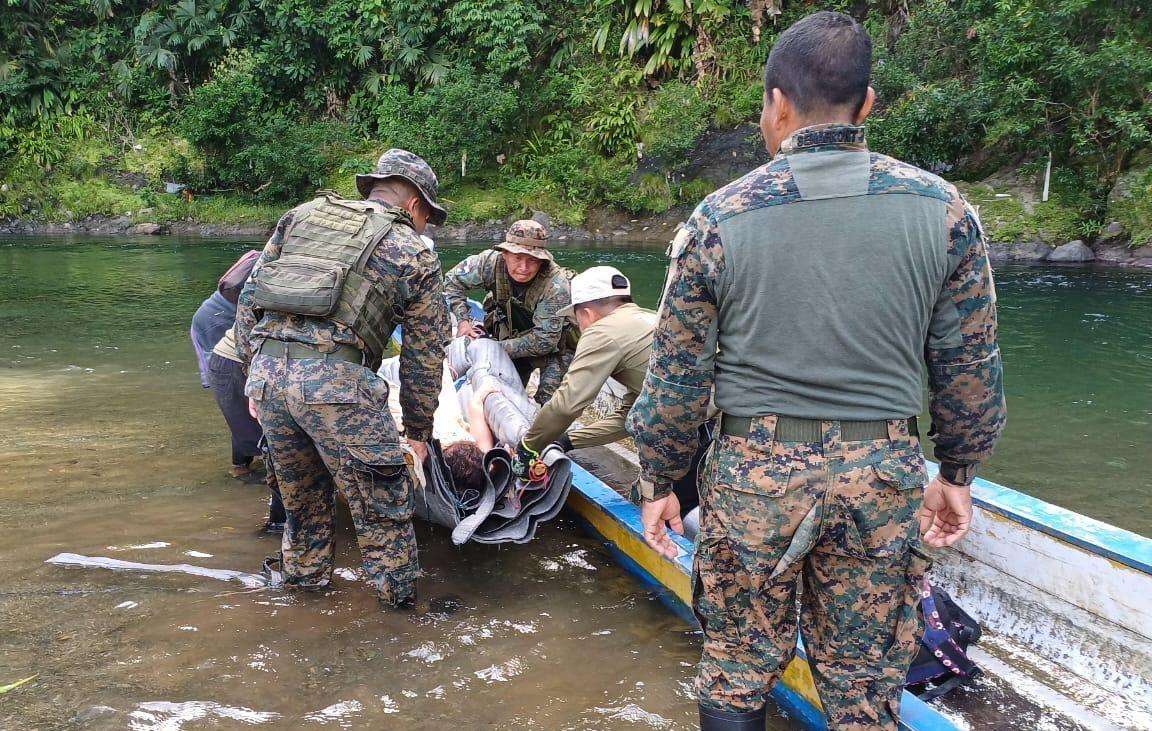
point(222, 372)
point(220, 368)
point(526, 290)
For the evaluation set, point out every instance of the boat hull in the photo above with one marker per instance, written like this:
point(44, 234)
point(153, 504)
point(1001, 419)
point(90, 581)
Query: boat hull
point(616, 520)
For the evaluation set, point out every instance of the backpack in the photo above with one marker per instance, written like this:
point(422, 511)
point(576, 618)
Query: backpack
point(233, 280)
point(942, 663)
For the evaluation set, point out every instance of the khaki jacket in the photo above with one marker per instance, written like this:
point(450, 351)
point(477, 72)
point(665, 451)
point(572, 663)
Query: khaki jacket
point(616, 346)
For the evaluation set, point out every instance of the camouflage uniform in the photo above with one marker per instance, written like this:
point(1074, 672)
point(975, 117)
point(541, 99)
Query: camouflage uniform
point(326, 417)
point(796, 491)
point(523, 317)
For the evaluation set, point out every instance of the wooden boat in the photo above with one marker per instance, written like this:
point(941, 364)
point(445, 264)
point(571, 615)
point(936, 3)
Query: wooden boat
point(1066, 603)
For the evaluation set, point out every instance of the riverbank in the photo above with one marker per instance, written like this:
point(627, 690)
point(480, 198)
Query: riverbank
point(603, 226)
point(600, 226)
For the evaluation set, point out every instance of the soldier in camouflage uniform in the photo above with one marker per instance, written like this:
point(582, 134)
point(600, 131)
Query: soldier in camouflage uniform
point(526, 291)
point(333, 281)
point(808, 295)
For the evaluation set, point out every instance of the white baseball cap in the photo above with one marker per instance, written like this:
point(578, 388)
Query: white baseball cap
point(594, 284)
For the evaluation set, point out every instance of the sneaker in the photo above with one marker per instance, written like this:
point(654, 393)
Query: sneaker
point(240, 472)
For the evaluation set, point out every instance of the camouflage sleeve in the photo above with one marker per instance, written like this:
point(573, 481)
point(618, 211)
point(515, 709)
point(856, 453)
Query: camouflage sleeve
point(544, 338)
point(676, 393)
point(965, 374)
point(476, 272)
point(596, 357)
point(246, 317)
point(426, 333)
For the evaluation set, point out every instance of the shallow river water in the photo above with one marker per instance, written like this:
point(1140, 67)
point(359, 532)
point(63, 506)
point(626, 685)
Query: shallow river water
point(109, 447)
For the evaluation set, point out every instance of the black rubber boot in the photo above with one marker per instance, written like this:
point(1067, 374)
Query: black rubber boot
point(712, 719)
point(276, 515)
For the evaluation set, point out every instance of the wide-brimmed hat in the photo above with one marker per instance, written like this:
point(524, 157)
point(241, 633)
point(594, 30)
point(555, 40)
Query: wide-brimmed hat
point(526, 237)
point(397, 163)
point(596, 283)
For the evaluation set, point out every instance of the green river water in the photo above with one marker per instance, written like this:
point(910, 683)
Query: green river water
point(110, 447)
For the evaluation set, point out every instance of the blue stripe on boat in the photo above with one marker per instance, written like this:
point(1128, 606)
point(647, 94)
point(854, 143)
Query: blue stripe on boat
point(1106, 540)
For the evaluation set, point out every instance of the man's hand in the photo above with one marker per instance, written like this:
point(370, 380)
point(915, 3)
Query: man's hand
point(419, 448)
point(946, 513)
point(653, 516)
point(252, 409)
point(469, 329)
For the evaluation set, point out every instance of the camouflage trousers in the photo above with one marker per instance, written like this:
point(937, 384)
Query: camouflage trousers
point(552, 370)
point(833, 521)
point(327, 426)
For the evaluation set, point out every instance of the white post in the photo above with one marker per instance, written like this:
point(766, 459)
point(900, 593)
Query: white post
point(1047, 178)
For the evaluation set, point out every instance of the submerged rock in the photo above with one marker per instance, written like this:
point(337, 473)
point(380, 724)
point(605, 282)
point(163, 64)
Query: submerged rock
point(1071, 252)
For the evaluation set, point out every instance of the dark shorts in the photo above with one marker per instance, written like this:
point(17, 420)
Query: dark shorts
point(226, 379)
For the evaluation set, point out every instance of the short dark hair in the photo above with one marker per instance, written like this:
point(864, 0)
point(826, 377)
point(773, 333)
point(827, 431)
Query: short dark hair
point(607, 304)
point(466, 465)
point(821, 63)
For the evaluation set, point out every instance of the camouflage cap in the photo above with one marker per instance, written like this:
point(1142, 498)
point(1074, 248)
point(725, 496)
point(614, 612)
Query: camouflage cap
point(397, 163)
point(526, 237)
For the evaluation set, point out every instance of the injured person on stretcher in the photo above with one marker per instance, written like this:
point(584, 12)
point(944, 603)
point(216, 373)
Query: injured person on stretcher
point(468, 483)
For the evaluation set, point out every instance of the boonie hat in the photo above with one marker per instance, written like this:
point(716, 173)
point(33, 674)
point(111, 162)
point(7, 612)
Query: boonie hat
point(596, 283)
point(526, 237)
point(397, 163)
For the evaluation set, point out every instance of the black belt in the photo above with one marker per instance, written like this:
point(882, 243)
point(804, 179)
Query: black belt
point(297, 351)
point(793, 429)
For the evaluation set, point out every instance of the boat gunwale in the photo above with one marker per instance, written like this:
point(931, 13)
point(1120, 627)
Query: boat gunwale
point(1097, 537)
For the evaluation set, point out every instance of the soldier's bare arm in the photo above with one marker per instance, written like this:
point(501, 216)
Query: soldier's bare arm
point(476, 272)
point(596, 357)
point(674, 399)
point(246, 318)
point(544, 338)
point(426, 332)
point(965, 374)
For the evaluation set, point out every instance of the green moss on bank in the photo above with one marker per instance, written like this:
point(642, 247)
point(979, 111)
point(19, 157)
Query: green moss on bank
point(221, 209)
point(1006, 218)
point(1133, 207)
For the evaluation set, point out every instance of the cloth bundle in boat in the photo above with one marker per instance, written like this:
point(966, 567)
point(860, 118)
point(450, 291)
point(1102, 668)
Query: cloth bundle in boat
point(509, 510)
point(506, 510)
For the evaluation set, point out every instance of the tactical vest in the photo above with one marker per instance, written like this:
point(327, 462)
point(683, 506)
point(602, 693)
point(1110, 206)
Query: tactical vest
point(321, 271)
point(507, 317)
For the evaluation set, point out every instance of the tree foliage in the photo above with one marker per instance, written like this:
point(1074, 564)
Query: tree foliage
point(549, 99)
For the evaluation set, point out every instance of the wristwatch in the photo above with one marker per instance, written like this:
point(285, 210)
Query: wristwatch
point(958, 474)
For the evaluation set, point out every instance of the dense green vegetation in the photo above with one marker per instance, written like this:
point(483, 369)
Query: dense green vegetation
point(547, 104)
